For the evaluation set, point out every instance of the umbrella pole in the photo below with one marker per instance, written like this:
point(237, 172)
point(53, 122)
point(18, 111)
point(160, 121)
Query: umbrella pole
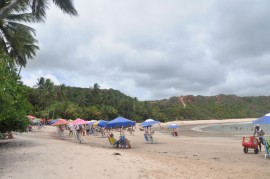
point(121, 130)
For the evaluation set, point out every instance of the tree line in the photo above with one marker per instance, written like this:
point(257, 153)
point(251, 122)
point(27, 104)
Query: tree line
point(52, 101)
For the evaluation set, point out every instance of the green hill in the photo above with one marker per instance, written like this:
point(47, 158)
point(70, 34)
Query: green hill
point(51, 101)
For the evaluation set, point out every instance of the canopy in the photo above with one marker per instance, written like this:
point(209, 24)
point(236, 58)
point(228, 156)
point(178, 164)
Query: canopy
point(173, 126)
point(60, 122)
point(120, 122)
point(149, 123)
point(78, 121)
point(263, 120)
point(100, 123)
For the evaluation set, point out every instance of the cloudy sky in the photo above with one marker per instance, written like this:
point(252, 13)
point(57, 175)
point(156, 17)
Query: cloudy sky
point(155, 49)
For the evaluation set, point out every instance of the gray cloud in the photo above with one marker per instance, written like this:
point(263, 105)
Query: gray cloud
point(157, 49)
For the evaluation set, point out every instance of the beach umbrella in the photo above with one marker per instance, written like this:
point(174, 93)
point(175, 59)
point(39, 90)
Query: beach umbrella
point(43, 120)
point(90, 123)
point(78, 121)
point(30, 117)
point(149, 123)
point(120, 122)
point(53, 121)
point(263, 120)
point(173, 126)
point(60, 122)
point(95, 123)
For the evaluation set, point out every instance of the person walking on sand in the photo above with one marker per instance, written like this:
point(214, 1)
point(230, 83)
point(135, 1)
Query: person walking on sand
point(71, 130)
point(61, 131)
point(83, 130)
point(260, 134)
point(78, 133)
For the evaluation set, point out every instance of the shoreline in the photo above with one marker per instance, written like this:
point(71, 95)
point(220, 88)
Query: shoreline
point(211, 121)
point(41, 154)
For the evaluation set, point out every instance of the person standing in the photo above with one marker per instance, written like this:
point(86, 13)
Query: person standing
point(78, 133)
point(258, 132)
point(61, 131)
point(174, 132)
point(71, 130)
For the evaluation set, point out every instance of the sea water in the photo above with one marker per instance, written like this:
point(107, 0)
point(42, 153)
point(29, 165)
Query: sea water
point(236, 128)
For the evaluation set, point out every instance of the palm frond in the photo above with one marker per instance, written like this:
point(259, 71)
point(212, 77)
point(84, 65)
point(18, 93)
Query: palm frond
point(66, 6)
point(24, 17)
point(19, 27)
point(19, 41)
point(39, 9)
point(8, 6)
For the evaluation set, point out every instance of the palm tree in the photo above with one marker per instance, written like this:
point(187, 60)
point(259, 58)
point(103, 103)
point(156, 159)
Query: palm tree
point(18, 40)
point(38, 7)
point(40, 82)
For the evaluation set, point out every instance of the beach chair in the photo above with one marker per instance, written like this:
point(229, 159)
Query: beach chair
point(149, 139)
point(266, 146)
point(113, 141)
point(146, 137)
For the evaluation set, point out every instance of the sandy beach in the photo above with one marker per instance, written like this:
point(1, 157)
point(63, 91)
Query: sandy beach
point(193, 154)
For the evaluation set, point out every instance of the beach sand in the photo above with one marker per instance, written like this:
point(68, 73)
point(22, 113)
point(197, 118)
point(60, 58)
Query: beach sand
point(193, 154)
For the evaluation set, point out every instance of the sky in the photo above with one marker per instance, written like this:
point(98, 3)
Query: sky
point(156, 49)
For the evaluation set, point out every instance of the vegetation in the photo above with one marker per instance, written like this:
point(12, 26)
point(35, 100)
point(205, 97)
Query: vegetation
point(17, 39)
point(52, 101)
point(17, 45)
point(14, 105)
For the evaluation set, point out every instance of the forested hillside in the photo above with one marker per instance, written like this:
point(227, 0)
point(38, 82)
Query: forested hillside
point(214, 107)
point(52, 101)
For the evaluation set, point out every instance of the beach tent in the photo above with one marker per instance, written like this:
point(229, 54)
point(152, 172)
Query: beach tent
point(120, 122)
point(60, 122)
point(100, 123)
point(173, 126)
point(149, 123)
point(263, 120)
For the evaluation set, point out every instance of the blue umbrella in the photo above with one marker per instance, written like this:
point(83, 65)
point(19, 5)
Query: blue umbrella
point(149, 123)
point(263, 120)
point(173, 126)
point(120, 122)
point(102, 123)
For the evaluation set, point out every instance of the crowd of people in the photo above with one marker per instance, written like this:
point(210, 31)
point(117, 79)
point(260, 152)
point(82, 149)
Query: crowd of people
point(77, 131)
